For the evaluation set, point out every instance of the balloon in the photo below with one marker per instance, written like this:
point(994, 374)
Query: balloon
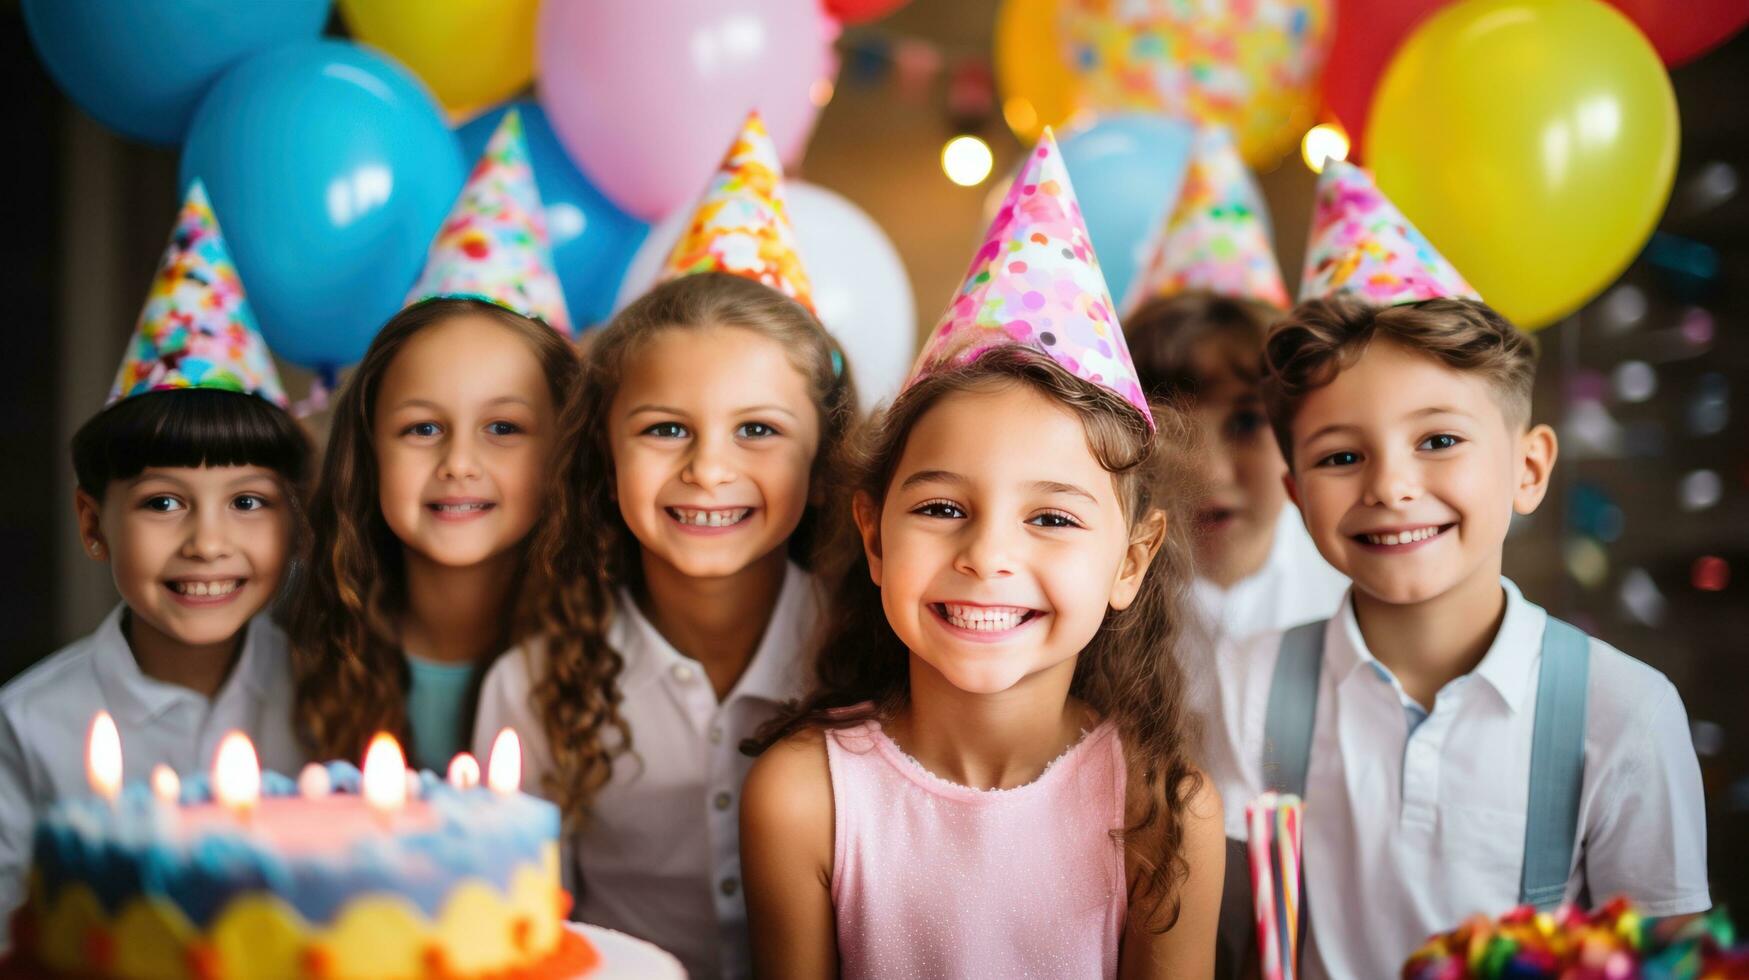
point(1533, 142)
point(593, 241)
point(330, 169)
point(1368, 32)
point(1684, 31)
point(647, 96)
point(1251, 66)
point(1032, 67)
point(141, 68)
point(1126, 169)
point(862, 11)
point(860, 286)
point(472, 53)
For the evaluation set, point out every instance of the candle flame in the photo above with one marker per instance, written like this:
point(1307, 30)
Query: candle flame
point(166, 785)
point(385, 774)
point(504, 767)
point(236, 774)
point(464, 771)
point(103, 757)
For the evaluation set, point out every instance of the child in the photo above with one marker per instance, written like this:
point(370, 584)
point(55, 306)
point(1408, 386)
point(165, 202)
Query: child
point(435, 477)
point(1461, 751)
point(995, 776)
point(681, 609)
point(1205, 299)
point(188, 486)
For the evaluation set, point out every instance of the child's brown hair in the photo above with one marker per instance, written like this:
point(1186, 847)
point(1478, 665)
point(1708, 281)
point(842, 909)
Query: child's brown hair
point(1167, 335)
point(351, 676)
point(1322, 337)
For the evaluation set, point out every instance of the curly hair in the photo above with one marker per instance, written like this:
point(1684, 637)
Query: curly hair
point(351, 677)
point(1128, 672)
point(1323, 337)
point(587, 549)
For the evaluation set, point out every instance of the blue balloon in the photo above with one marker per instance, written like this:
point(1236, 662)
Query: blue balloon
point(140, 68)
point(1127, 170)
point(593, 240)
point(330, 168)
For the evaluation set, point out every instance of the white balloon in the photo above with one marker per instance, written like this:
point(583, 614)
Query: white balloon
point(860, 287)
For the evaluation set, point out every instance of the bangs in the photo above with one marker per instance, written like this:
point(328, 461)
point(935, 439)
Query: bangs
point(190, 427)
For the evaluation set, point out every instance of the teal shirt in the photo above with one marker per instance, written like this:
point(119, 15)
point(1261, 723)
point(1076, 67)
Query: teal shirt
point(436, 704)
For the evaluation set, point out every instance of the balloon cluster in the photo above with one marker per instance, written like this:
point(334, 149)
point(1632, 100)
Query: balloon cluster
point(1612, 943)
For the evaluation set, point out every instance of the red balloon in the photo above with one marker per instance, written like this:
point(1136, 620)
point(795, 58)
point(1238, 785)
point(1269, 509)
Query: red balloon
point(861, 11)
point(1683, 31)
point(1368, 33)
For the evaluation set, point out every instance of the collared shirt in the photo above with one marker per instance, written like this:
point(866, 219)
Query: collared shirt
point(45, 714)
point(660, 857)
point(1418, 816)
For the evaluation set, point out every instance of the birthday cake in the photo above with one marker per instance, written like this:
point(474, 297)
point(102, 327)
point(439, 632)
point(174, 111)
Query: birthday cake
point(1614, 941)
point(301, 879)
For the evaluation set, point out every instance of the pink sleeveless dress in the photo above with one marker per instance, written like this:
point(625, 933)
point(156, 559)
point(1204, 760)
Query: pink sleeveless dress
point(934, 879)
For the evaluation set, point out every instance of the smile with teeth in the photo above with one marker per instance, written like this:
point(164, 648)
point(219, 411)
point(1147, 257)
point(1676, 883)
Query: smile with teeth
point(983, 619)
point(465, 507)
point(1404, 537)
point(709, 518)
point(221, 587)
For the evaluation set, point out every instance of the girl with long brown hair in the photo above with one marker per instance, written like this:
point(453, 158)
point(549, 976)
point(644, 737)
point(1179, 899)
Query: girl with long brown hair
point(994, 776)
point(683, 608)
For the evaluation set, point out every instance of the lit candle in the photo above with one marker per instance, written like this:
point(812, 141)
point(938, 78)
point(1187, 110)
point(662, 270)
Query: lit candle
point(166, 785)
point(504, 767)
point(464, 771)
point(313, 781)
point(103, 757)
point(385, 776)
point(236, 775)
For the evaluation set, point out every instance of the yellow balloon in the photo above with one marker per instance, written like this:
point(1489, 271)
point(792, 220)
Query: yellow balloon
point(1533, 142)
point(473, 53)
point(1032, 67)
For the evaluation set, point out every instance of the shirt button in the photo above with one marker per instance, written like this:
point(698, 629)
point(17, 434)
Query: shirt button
point(729, 887)
point(682, 673)
point(721, 801)
point(716, 734)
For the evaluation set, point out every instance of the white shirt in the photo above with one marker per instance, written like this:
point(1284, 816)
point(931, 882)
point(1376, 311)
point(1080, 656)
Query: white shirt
point(1418, 817)
point(45, 715)
point(660, 858)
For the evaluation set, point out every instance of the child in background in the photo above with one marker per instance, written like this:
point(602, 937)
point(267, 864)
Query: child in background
point(681, 610)
point(435, 478)
point(1460, 750)
point(995, 777)
point(189, 483)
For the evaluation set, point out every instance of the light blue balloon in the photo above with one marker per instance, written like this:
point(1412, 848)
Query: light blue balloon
point(141, 66)
point(593, 241)
point(1127, 170)
point(330, 168)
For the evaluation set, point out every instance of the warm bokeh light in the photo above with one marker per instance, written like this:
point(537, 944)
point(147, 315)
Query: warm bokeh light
point(967, 160)
point(236, 774)
point(103, 757)
point(464, 771)
point(1325, 141)
point(385, 774)
point(504, 767)
point(166, 785)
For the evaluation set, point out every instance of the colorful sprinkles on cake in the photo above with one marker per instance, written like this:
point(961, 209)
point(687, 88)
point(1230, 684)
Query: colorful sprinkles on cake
point(1613, 943)
point(1036, 282)
point(196, 329)
point(1361, 244)
point(494, 244)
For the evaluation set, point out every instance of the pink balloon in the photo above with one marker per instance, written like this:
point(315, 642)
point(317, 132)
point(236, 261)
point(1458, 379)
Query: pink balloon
point(646, 95)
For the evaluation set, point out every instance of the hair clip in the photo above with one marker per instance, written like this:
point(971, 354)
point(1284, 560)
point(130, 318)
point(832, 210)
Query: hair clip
point(837, 364)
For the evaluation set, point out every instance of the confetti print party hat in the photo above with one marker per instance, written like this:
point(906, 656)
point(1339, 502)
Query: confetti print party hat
point(742, 223)
point(1216, 239)
point(1036, 282)
point(197, 330)
point(1362, 245)
point(494, 245)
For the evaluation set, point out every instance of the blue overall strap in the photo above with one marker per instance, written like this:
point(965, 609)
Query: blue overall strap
point(1293, 705)
point(1557, 765)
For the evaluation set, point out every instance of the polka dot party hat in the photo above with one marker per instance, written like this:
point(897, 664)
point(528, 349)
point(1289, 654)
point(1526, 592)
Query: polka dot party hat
point(1216, 239)
point(1036, 282)
point(494, 245)
point(742, 223)
point(197, 330)
point(1362, 245)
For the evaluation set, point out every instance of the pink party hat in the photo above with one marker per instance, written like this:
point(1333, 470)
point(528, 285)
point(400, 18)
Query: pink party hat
point(1036, 282)
point(494, 245)
point(1216, 239)
point(742, 224)
point(197, 330)
point(1361, 244)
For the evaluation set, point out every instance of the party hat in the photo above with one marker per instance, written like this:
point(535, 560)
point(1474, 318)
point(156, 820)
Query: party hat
point(197, 330)
point(742, 223)
point(1217, 237)
point(494, 245)
point(1361, 244)
point(1036, 282)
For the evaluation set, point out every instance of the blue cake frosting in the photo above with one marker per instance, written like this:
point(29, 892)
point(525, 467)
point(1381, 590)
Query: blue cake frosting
point(129, 849)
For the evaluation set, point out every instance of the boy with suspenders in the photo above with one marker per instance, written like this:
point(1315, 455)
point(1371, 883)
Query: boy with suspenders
point(1460, 751)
